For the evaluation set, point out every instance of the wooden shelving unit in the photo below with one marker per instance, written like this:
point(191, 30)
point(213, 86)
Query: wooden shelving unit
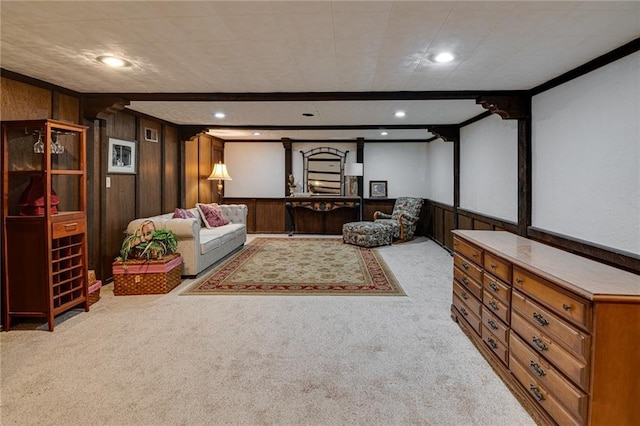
point(44, 244)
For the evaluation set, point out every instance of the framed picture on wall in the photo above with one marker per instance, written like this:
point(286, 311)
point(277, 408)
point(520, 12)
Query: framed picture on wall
point(378, 189)
point(150, 135)
point(122, 156)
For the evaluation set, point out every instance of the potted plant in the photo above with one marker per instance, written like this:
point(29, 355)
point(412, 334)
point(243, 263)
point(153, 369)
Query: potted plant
point(148, 243)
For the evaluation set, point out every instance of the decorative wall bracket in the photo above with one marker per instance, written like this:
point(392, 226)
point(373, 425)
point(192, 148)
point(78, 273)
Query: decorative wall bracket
point(507, 107)
point(102, 107)
point(448, 133)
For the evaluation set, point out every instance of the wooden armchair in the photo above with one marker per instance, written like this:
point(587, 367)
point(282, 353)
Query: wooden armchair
point(403, 219)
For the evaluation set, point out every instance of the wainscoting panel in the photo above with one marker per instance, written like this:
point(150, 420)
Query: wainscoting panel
point(269, 216)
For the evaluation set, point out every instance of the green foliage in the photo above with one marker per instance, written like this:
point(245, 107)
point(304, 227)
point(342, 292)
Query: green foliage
point(148, 243)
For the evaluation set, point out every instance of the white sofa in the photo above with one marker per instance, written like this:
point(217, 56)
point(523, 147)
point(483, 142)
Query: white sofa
point(200, 246)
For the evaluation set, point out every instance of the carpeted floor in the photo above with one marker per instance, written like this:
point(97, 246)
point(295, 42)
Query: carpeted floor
point(246, 360)
point(300, 266)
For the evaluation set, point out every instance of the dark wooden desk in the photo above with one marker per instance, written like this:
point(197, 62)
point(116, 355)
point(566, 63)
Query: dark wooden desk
point(323, 214)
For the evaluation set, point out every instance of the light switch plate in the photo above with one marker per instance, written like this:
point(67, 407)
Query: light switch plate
point(108, 182)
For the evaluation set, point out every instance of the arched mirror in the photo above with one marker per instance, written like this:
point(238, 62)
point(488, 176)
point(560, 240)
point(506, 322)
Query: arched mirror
point(323, 172)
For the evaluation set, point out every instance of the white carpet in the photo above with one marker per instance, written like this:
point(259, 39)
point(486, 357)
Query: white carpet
point(171, 360)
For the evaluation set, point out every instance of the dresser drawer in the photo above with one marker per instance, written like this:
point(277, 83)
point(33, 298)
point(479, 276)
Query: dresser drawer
point(472, 285)
point(576, 370)
point(497, 288)
point(570, 307)
point(497, 347)
point(497, 267)
point(577, 342)
point(468, 267)
point(468, 250)
point(471, 319)
point(571, 397)
point(540, 393)
point(68, 228)
point(496, 306)
point(495, 326)
point(468, 299)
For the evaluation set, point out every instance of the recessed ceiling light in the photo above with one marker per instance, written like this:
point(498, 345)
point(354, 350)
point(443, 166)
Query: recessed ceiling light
point(400, 114)
point(384, 133)
point(256, 133)
point(444, 57)
point(113, 61)
point(219, 115)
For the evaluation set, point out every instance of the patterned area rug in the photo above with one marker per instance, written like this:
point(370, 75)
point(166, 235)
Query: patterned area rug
point(300, 266)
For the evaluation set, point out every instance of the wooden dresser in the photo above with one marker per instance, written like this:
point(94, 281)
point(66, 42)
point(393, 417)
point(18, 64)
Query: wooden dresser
point(562, 331)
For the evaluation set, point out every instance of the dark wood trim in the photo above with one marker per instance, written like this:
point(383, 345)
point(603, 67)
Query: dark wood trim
point(328, 127)
point(524, 175)
point(446, 132)
point(456, 180)
point(38, 83)
point(331, 140)
point(102, 108)
point(476, 118)
point(360, 179)
point(617, 258)
point(501, 223)
point(186, 133)
point(307, 96)
point(616, 54)
point(149, 117)
point(507, 107)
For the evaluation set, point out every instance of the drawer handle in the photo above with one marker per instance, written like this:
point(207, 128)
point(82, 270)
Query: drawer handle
point(540, 319)
point(493, 305)
point(465, 265)
point(465, 281)
point(492, 343)
point(566, 307)
point(535, 367)
point(492, 324)
point(464, 295)
point(519, 280)
point(493, 266)
point(535, 392)
point(69, 226)
point(464, 311)
point(539, 343)
point(493, 286)
point(474, 254)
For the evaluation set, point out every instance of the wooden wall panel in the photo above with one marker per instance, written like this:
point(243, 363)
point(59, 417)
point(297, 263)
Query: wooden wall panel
point(191, 173)
point(20, 101)
point(482, 226)
point(171, 187)
point(447, 228)
point(269, 215)
point(150, 170)
point(68, 108)
point(205, 165)
point(120, 206)
point(464, 222)
point(438, 219)
point(373, 205)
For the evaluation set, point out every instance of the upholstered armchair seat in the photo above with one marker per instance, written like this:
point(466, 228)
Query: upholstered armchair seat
point(404, 218)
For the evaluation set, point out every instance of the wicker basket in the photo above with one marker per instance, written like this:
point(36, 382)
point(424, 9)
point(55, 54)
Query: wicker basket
point(147, 276)
point(94, 288)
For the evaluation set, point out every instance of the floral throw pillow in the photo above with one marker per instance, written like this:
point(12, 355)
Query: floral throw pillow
point(182, 214)
point(212, 215)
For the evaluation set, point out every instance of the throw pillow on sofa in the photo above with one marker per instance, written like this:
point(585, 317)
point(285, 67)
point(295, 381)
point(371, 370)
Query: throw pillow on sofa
point(182, 214)
point(212, 215)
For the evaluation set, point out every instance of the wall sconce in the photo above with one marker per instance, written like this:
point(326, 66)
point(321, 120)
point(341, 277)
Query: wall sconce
point(352, 170)
point(219, 173)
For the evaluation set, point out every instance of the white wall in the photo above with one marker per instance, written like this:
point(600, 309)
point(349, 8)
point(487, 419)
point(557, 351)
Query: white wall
point(586, 157)
point(401, 164)
point(257, 169)
point(440, 171)
point(489, 167)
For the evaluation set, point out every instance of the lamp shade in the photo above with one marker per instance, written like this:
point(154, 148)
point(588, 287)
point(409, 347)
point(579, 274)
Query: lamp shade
point(219, 172)
point(353, 169)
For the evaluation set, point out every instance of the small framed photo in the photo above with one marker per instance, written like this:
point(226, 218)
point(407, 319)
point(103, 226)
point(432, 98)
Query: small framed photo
point(122, 156)
point(378, 189)
point(150, 135)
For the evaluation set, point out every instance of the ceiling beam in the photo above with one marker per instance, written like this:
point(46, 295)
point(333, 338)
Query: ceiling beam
point(307, 96)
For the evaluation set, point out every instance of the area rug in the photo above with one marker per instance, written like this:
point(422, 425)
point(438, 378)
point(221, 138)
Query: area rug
point(300, 266)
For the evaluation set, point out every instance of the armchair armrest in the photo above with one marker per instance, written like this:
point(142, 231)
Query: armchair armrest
point(410, 219)
point(380, 215)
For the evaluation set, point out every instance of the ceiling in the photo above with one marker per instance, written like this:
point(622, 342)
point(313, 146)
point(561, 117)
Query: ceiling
point(184, 48)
